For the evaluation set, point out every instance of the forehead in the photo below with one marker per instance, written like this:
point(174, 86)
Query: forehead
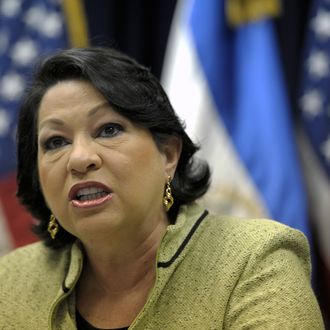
point(71, 91)
point(70, 96)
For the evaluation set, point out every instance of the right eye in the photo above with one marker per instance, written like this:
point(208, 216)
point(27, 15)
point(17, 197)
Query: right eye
point(55, 143)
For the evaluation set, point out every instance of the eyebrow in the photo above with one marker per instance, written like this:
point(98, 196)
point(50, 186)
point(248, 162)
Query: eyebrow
point(99, 107)
point(59, 122)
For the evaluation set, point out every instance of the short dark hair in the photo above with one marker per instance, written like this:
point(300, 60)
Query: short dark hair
point(132, 91)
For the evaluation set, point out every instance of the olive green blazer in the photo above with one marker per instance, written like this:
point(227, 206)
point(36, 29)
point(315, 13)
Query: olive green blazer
point(212, 273)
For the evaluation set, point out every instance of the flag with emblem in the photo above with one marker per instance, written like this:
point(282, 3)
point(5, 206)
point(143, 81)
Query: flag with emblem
point(29, 29)
point(314, 103)
point(223, 76)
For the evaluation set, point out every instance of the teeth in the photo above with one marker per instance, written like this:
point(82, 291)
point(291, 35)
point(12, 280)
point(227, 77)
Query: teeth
point(86, 194)
point(88, 191)
point(92, 196)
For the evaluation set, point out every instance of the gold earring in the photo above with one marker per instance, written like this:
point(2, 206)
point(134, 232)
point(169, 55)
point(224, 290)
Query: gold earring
point(168, 198)
point(52, 226)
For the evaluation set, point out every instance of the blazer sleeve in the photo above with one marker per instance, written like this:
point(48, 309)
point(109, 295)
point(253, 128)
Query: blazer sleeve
point(274, 290)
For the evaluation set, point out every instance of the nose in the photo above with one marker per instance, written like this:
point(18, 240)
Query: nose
point(83, 157)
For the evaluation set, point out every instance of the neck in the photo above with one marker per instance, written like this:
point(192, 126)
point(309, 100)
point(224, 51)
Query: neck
point(125, 265)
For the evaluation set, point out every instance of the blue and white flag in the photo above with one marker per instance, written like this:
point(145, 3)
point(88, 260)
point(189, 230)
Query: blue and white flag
point(226, 83)
point(28, 30)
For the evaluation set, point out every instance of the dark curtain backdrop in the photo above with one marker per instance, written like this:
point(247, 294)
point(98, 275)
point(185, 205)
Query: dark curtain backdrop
point(291, 26)
point(141, 27)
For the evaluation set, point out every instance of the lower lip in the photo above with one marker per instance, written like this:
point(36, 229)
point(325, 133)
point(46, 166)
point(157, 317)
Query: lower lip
point(91, 203)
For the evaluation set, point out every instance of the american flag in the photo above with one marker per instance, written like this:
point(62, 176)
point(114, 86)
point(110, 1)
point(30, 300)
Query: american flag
point(28, 30)
point(315, 99)
point(315, 109)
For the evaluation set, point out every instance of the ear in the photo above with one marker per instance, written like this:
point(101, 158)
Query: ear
point(172, 151)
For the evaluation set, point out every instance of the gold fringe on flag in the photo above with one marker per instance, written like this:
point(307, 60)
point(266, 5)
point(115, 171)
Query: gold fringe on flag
point(244, 11)
point(76, 22)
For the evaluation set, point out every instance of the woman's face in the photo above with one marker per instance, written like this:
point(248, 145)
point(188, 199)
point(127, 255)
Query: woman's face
point(100, 173)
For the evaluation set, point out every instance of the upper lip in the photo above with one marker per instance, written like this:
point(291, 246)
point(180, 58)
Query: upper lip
point(90, 184)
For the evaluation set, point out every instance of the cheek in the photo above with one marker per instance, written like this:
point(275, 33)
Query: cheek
point(138, 172)
point(50, 181)
point(43, 169)
point(150, 171)
point(149, 162)
point(41, 173)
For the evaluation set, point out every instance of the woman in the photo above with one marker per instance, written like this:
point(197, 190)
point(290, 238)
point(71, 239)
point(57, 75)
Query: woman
point(105, 167)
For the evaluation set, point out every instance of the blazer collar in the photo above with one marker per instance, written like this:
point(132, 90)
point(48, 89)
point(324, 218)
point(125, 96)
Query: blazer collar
point(175, 243)
point(178, 236)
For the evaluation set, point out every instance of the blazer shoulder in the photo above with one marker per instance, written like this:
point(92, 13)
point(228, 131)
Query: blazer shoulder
point(30, 259)
point(253, 229)
point(255, 235)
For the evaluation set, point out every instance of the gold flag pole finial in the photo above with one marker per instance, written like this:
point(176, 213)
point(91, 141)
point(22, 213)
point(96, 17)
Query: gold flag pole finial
point(244, 11)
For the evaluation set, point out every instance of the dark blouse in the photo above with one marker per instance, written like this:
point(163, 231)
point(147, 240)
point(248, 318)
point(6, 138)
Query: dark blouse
point(82, 324)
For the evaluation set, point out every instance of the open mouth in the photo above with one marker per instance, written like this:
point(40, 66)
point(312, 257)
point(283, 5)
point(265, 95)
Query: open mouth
point(90, 196)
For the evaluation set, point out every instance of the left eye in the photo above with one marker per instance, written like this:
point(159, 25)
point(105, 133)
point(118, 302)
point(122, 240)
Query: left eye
point(110, 130)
